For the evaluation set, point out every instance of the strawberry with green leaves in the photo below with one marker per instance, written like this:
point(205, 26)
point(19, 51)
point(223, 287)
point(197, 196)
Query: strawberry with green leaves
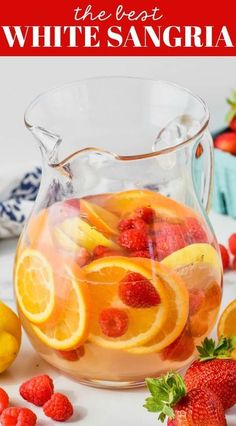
point(226, 141)
point(169, 398)
point(215, 369)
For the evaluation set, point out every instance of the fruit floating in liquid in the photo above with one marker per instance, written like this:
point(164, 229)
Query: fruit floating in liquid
point(117, 287)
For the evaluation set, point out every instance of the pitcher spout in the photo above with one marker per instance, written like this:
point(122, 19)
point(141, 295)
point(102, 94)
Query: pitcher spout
point(49, 143)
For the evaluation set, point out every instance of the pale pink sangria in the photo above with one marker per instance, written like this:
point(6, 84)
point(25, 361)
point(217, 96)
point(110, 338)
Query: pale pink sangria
point(117, 287)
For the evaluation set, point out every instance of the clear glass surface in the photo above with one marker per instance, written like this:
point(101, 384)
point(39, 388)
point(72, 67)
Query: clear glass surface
point(118, 275)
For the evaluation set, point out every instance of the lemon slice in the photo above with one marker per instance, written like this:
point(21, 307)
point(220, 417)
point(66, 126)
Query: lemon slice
point(193, 254)
point(81, 233)
point(63, 241)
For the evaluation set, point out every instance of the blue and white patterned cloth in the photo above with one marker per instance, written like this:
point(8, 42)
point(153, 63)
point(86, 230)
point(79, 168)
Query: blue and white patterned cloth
point(17, 196)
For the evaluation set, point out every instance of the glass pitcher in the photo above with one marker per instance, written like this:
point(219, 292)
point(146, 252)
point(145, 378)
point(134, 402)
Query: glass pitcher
point(117, 273)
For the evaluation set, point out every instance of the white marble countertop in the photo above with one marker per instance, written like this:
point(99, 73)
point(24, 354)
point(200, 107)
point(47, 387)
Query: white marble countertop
point(93, 407)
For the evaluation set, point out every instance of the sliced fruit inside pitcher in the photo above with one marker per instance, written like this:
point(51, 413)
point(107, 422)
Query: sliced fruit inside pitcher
point(34, 285)
point(68, 326)
point(130, 274)
point(128, 295)
point(126, 202)
point(83, 234)
point(102, 219)
point(178, 310)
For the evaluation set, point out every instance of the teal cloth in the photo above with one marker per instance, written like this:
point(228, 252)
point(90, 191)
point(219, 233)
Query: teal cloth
point(224, 194)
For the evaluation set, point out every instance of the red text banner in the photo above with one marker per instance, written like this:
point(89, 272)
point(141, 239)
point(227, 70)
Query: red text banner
point(117, 28)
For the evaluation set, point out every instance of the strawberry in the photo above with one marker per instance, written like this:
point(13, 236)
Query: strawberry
point(137, 292)
point(72, 355)
point(232, 244)
point(181, 349)
point(198, 407)
point(199, 150)
point(131, 223)
point(37, 390)
point(224, 256)
point(113, 322)
point(232, 123)
point(16, 416)
point(226, 142)
point(169, 237)
point(194, 231)
point(58, 408)
point(215, 370)
point(4, 400)
point(133, 239)
point(145, 213)
point(102, 251)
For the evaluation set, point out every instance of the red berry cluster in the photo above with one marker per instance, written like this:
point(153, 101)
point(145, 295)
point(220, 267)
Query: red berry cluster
point(225, 253)
point(38, 391)
point(147, 235)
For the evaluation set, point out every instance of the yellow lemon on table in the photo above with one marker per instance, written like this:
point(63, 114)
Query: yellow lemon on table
point(10, 336)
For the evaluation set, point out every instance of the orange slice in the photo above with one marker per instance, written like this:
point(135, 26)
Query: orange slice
point(34, 285)
point(101, 218)
point(178, 310)
point(84, 235)
point(67, 327)
point(124, 203)
point(227, 322)
point(103, 276)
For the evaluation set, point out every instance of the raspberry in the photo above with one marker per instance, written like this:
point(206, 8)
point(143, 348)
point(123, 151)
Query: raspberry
point(232, 244)
point(135, 223)
point(4, 400)
point(224, 256)
point(194, 231)
point(133, 239)
point(73, 355)
point(102, 251)
point(58, 408)
point(113, 322)
point(137, 292)
point(37, 390)
point(169, 237)
point(141, 253)
point(82, 256)
point(145, 213)
point(14, 416)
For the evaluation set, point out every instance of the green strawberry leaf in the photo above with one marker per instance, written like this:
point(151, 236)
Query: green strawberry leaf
point(222, 350)
point(165, 391)
point(232, 103)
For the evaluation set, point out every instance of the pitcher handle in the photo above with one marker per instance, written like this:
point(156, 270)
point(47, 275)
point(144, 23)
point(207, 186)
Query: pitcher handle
point(203, 168)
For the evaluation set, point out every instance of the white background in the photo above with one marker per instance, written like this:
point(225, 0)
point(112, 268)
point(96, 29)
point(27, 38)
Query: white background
point(21, 79)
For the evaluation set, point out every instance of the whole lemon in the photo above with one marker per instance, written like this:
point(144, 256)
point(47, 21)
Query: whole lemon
point(10, 336)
